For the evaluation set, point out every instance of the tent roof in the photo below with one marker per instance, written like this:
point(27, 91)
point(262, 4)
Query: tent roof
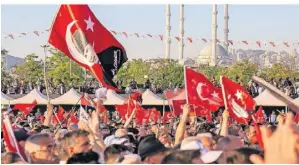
point(71, 97)
point(112, 98)
point(149, 98)
point(267, 99)
point(30, 97)
point(5, 99)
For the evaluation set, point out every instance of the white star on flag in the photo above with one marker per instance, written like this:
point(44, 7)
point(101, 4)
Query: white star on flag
point(215, 94)
point(239, 95)
point(89, 24)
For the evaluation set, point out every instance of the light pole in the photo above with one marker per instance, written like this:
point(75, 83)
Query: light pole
point(45, 77)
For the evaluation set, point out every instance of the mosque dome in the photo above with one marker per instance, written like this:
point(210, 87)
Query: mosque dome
point(205, 55)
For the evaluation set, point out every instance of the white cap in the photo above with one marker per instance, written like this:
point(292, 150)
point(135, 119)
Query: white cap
point(211, 156)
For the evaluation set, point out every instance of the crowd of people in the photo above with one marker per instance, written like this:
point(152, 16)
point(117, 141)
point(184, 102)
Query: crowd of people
point(184, 139)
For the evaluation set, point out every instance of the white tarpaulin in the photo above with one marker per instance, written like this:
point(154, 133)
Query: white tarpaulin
point(71, 97)
point(30, 97)
point(112, 98)
point(267, 99)
point(5, 99)
point(149, 98)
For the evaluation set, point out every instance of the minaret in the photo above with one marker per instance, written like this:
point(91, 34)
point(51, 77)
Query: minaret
point(181, 46)
point(226, 31)
point(214, 36)
point(167, 35)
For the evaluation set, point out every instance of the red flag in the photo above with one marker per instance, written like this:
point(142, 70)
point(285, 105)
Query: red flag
point(258, 43)
point(11, 36)
point(245, 42)
point(73, 118)
point(122, 110)
point(161, 37)
point(137, 35)
point(125, 34)
point(155, 115)
point(166, 117)
point(58, 117)
point(201, 92)
point(190, 40)
point(9, 137)
point(205, 40)
point(286, 44)
point(240, 103)
point(150, 35)
point(142, 115)
point(36, 33)
point(259, 116)
point(231, 42)
point(85, 100)
point(25, 108)
point(178, 38)
point(177, 106)
point(272, 43)
point(78, 34)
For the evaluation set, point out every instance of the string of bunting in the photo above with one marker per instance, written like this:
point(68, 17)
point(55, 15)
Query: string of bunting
point(162, 38)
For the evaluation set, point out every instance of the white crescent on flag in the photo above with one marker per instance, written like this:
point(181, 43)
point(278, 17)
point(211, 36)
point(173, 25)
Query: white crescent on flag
point(199, 91)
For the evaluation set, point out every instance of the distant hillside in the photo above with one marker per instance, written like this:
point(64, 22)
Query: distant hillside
point(12, 61)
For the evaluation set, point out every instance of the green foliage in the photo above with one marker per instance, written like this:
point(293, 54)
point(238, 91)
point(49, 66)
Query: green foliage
point(244, 70)
point(31, 69)
point(59, 69)
point(279, 71)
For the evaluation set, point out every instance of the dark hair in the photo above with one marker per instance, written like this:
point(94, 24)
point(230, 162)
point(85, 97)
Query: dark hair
point(114, 150)
point(222, 142)
point(84, 158)
point(238, 156)
point(181, 157)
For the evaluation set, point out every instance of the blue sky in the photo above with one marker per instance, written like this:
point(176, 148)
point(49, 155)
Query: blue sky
point(247, 22)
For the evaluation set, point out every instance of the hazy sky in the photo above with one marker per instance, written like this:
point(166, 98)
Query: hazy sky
point(247, 22)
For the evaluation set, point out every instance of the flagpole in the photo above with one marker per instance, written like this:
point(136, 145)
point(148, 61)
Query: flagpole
point(185, 79)
point(45, 77)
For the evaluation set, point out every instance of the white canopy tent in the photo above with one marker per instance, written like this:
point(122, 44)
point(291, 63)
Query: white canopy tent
point(267, 99)
point(5, 99)
point(71, 97)
point(30, 97)
point(149, 98)
point(112, 98)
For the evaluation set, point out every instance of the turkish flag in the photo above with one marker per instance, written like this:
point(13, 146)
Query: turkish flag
point(25, 108)
point(166, 117)
point(122, 110)
point(73, 118)
point(86, 100)
point(58, 117)
point(142, 116)
point(201, 92)
point(78, 34)
point(240, 104)
point(259, 116)
point(177, 106)
point(155, 115)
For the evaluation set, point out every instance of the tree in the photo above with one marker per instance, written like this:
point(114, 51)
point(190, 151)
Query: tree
point(31, 69)
point(59, 69)
point(279, 71)
point(244, 70)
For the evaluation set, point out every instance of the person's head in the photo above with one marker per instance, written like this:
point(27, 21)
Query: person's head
point(89, 157)
point(10, 157)
point(183, 157)
point(114, 152)
point(121, 133)
point(229, 143)
point(76, 141)
point(39, 148)
point(238, 156)
point(207, 140)
point(151, 150)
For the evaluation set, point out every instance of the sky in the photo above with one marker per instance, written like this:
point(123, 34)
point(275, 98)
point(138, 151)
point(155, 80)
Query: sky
point(246, 22)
